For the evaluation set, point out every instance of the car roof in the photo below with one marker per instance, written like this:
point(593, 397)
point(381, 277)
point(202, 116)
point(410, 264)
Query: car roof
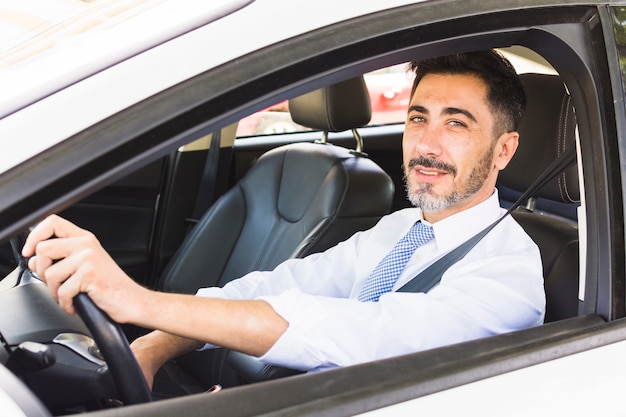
point(47, 45)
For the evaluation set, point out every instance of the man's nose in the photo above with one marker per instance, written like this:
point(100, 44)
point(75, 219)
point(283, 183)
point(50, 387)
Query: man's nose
point(428, 141)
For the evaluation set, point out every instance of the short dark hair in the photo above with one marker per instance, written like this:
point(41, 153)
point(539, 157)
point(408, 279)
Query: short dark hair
point(504, 90)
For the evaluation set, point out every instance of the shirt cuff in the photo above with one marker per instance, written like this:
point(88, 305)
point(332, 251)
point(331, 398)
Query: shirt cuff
point(303, 313)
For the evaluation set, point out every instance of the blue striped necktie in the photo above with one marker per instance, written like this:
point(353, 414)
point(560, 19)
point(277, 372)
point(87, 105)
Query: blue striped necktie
point(383, 277)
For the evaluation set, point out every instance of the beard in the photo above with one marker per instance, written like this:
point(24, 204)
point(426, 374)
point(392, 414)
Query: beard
point(423, 195)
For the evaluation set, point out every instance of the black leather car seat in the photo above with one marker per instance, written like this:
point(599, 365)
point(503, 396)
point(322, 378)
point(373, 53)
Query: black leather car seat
point(295, 200)
point(548, 126)
point(285, 205)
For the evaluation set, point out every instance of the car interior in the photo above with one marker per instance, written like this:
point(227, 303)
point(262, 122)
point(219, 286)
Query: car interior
point(230, 240)
point(297, 199)
point(267, 198)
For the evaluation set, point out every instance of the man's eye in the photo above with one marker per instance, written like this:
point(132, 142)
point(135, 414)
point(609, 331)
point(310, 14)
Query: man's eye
point(417, 119)
point(457, 123)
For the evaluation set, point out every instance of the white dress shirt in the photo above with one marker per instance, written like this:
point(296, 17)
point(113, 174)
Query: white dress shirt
point(496, 288)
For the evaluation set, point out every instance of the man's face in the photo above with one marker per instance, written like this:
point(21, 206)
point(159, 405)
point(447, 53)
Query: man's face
point(451, 157)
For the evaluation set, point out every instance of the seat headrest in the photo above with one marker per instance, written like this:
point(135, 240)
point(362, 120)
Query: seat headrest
point(339, 107)
point(548, 126)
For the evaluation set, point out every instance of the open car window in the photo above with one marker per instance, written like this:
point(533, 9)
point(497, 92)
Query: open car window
point(389, 89)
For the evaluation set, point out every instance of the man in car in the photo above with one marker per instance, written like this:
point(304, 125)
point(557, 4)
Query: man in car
point(336, 308)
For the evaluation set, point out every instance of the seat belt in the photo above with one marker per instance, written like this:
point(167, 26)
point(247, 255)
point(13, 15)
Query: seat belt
point(431, 276)
point(206, 190)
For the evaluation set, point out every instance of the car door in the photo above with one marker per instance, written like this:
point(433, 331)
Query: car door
point(580, 42)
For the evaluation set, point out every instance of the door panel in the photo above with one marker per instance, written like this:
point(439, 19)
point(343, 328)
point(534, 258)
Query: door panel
point(122, 215)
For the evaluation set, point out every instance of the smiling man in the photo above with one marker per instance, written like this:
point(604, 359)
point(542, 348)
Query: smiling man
point(452, 111)
point(341, 307)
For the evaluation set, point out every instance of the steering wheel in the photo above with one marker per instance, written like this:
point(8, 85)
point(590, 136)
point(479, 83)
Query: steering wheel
point(109, 338)
point(115, 349)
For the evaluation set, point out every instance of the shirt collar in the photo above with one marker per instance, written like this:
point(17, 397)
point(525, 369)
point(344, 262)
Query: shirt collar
point(456, 229)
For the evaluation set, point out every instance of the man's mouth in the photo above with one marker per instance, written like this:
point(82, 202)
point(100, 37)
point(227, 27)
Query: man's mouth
point(428, 173)
point(431, 167)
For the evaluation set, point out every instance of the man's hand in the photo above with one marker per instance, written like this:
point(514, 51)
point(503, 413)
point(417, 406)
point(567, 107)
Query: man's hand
point(70, 260)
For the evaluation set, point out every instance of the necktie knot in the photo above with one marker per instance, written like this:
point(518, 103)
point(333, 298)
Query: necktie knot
point(419, 234)
point(384, 276)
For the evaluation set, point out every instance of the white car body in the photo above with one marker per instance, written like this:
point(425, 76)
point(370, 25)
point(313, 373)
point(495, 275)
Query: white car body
point(56, 85)
point(50, 82)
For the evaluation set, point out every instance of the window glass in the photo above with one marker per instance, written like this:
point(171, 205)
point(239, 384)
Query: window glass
point(389, 90)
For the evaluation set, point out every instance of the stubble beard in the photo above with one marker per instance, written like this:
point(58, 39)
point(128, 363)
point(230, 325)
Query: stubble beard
point(423, 195)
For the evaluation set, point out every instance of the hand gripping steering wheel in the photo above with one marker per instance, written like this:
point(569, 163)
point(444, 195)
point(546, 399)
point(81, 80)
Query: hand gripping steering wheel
point(115, 349)
point(109, 338)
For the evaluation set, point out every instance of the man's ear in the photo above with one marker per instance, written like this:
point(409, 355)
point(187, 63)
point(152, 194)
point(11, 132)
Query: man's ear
point(505, 149)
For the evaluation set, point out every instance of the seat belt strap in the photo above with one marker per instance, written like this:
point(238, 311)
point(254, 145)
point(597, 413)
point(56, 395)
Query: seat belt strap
point(431, 276)
point(206, 190)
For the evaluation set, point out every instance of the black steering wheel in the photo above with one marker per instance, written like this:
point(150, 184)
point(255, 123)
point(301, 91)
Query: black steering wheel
point(115, 349)
point(109, 338)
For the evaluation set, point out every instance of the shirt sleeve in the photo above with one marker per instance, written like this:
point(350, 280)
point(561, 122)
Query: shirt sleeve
point(316, 274)
point(483, 297)
point(496, 288)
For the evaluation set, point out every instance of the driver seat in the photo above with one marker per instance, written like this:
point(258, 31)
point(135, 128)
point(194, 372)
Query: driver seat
point(547, 128)
point(295, 200)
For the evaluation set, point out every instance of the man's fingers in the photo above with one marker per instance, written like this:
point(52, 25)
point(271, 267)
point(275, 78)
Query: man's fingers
point(67, 292)
point(49, 227)
point(71, 260)
point(49, 251)
point(64, 263)
point(64, 280)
